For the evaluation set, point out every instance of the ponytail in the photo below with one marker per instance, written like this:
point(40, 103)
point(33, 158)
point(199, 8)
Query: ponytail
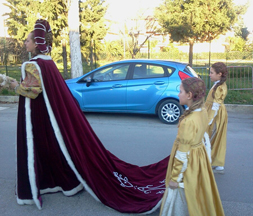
point(220, 67)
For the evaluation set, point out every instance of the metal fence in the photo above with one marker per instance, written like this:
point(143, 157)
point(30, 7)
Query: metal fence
point(239, 77)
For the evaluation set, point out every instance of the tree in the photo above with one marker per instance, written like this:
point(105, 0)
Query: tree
point(93, 28)
point(191, 21)
point(241, 30)
point(236, 44)
point(142, 28)
point(10, 47)
point(114, 49)
point(23, 14)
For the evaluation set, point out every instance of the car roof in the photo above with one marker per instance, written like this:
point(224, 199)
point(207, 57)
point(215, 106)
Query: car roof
point(154, 61)
point(147, 61)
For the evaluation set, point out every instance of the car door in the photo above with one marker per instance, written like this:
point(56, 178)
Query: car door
point(148, 83)
point(107, 89)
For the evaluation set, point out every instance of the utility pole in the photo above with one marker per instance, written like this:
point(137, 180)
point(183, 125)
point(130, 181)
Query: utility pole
point(5, 54)
point(74, 39)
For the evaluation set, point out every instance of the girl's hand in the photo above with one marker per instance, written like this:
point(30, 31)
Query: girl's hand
point(173, 185)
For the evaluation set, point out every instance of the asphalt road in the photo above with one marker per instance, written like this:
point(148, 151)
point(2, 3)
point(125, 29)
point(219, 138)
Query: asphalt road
point(138, 139)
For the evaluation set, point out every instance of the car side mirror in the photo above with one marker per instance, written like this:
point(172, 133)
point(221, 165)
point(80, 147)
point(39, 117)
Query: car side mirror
point(88, 81)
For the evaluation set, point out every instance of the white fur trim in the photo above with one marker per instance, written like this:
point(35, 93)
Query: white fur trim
point(24, 201)
point(30, 146)
point(207, 143)
point(66, 193)
point(30, 152)
point(182, 156)
point(60, 138)
point(40, 56)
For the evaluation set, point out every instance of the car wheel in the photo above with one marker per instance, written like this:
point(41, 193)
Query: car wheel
point(169, 111)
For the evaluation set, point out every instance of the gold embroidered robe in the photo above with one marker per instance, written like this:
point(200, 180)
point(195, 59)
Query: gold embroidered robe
point(218, 118)
point(200, 188)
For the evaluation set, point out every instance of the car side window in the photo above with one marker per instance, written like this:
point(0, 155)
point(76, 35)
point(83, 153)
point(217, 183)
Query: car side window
point(148, 71)
point(116, 72)
point(169, 70)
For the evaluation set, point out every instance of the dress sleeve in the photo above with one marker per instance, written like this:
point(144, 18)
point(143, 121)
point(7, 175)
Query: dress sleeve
point(185, 136)
point(31, 85)
point(219, 97)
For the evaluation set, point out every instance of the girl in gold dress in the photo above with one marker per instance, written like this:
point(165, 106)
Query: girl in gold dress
point(190, 185)
point(217, 115)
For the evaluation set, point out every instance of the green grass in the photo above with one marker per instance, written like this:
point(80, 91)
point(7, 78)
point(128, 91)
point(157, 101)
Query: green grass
point(15, 71)
point(6, 92)
point(12, 71)
point(239, 97)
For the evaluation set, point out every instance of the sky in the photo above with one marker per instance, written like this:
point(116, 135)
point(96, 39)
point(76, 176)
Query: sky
point(248, 17)
point(123, 9)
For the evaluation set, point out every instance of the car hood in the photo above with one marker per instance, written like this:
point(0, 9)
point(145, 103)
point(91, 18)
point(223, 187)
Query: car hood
point(69, 81)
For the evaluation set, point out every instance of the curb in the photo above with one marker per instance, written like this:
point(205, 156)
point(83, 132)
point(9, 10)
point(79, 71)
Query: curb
point(9, 99)
point(230, 107)
point(239, 108)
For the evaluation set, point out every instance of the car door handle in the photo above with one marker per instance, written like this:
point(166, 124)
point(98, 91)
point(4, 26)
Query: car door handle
point(117, 86)
point(159, 83)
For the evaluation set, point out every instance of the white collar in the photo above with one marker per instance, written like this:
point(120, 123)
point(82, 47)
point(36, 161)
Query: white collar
point(44, 57)
point(196, 110)
point(216, 82)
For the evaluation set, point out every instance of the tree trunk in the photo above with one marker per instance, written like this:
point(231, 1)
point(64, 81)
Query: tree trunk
point(74, 39)
point(91, 54)
point(64, 56)
point(191, 52)
point(95, 54)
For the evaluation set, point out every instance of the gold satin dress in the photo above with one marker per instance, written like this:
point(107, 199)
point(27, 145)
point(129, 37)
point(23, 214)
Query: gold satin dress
point(199, 186)
point(218, 118)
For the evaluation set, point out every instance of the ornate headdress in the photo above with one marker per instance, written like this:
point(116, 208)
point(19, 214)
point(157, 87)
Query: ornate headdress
point(42, 27)
point(196, 86)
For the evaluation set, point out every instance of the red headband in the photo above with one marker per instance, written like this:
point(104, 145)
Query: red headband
point(42, 27)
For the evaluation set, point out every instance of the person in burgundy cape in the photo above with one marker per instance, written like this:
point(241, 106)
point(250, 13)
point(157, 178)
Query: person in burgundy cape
point(57, 150)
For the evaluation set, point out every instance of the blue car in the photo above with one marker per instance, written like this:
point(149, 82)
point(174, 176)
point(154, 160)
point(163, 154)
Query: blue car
point(133, 86)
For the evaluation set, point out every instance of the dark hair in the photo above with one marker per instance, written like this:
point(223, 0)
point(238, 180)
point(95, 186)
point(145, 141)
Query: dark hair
point(48, 38)
point(220, 67)
point(198, 89)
